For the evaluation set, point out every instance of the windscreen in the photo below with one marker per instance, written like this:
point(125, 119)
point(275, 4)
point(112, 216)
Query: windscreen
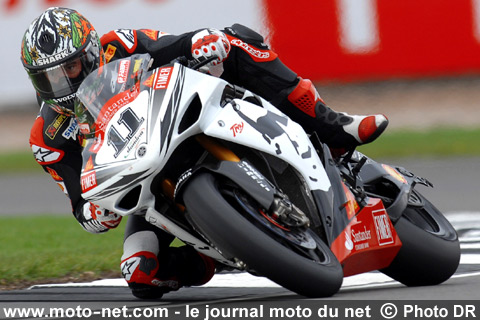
point(107, 90)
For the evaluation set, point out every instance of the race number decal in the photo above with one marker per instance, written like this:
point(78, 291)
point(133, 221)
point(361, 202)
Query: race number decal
point(129, 120)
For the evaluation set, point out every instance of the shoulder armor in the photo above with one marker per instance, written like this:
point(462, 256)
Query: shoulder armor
point(127, 38)
point(51, 134)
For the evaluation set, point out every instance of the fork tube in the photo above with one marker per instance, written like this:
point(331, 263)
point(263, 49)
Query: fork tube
point(218, 151)
point(168, 188)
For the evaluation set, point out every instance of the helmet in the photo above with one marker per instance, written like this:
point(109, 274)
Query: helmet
point(59, 49)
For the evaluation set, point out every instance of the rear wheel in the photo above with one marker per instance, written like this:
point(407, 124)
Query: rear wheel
point(296, 259)
point(430, 251)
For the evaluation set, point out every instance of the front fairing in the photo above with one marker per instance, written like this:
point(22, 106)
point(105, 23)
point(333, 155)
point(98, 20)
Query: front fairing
point(112, 108)
point(133, 124)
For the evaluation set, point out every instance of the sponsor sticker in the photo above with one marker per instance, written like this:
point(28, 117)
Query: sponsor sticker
point(113, 105)
point(237, 128)
point(88, 165)
point(110, 52)
point(89, 181)
point(254, 174)
point(382, 226)
point(256, 54)
point(53, 127)
point(163, 78)
point(84, 128)
point(72, 130)
point(123, 71)
point(149, 81)
point(361, 238)
point(65, 99)
point(348, 241)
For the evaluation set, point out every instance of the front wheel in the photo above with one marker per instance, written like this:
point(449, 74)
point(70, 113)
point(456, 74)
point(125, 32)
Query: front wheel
point(214, 208)
point(430, 251)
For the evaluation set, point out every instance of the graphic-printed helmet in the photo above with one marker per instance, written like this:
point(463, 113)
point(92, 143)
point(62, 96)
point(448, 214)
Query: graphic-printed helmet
point(59, 49)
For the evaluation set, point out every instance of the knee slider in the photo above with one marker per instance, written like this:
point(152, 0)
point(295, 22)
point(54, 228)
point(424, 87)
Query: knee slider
point(305, 97)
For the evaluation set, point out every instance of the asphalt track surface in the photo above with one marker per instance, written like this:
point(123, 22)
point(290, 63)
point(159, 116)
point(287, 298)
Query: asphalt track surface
point(455, 192)
point(368, 294)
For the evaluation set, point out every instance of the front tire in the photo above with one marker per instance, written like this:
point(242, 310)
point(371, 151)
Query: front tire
point(215, 215)
point(430, 253)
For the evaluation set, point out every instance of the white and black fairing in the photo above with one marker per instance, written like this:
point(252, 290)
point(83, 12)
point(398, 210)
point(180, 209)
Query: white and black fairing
point(135, 119)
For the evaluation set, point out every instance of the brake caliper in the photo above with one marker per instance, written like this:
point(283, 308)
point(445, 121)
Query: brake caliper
point(287, 213)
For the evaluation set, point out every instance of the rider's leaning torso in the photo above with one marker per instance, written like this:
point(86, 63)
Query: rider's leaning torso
point(55, 139)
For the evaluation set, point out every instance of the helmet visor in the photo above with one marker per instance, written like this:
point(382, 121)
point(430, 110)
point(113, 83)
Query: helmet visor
point(63, 79)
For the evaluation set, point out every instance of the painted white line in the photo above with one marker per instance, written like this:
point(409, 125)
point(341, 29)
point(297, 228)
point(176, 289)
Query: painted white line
point(465, 246)
point(470, 259)
point(246, 280)
point(467, 225)
point(228, 280)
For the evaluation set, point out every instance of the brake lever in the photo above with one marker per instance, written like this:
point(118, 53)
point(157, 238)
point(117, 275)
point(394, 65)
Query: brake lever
point(197, 64)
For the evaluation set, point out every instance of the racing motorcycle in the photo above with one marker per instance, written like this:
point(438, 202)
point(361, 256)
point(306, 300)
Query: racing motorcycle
point(223, 170)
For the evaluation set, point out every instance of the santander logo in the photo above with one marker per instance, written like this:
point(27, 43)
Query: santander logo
point(348, 241)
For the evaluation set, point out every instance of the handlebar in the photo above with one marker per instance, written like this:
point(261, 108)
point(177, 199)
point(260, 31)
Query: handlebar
point(194, 64)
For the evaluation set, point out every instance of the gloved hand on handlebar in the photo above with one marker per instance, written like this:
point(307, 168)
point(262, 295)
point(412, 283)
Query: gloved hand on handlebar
point(96, 220)
point(208, 43)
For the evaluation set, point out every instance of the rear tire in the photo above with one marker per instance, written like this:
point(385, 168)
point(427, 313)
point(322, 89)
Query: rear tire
point(430, 253)
point(214, 214)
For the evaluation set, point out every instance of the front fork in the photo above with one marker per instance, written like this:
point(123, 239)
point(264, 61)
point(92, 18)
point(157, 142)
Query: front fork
point(214, 148)
point(281, 211)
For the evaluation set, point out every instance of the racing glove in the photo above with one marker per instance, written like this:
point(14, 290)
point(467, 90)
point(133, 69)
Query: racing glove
point(208, 43)
point(97, 220)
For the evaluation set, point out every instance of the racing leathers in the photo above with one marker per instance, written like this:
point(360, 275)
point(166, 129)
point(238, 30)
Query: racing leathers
point(149, 265)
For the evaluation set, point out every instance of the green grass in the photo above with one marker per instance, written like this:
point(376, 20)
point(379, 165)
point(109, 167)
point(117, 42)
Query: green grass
point(43, 247)
point(37, 248)
point(441, 142)
point(18, 161)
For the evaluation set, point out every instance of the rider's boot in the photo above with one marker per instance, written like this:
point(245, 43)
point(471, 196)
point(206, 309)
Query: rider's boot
point(150, 276)
point(336, 129)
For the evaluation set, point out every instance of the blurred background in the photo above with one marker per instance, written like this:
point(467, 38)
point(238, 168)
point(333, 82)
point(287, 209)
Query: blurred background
point(416, 61)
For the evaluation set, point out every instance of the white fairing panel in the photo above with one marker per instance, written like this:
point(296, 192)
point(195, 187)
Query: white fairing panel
point(247, 124)
point(129, 136)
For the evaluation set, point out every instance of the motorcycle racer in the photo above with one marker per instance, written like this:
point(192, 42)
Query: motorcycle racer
point(60, 48)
